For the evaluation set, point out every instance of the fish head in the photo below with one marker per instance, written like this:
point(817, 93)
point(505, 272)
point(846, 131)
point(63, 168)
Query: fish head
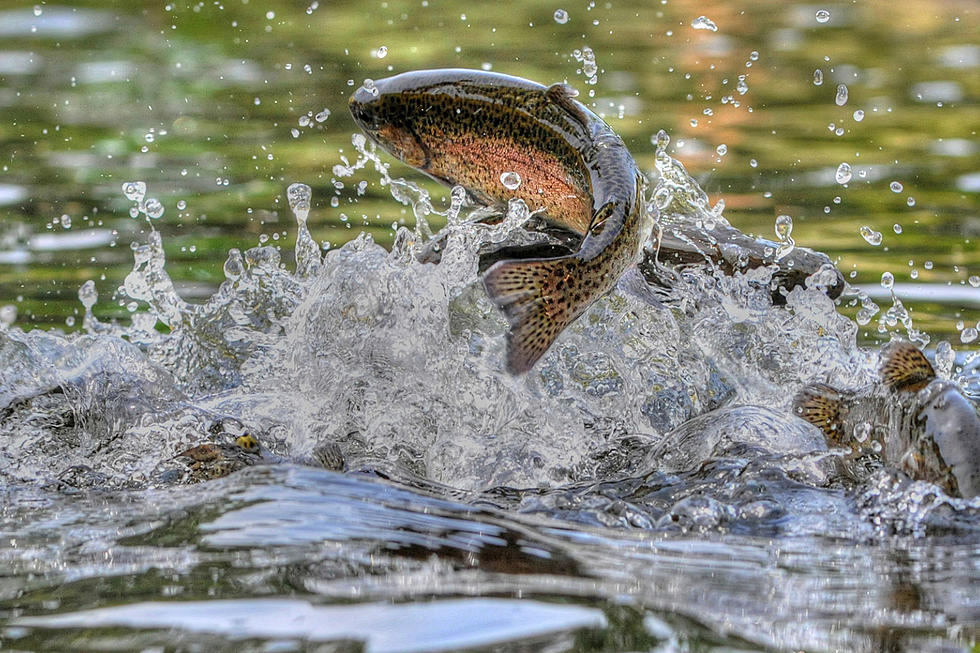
point(383, 117)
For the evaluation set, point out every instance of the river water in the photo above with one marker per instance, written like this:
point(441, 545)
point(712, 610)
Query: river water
point(644, 488)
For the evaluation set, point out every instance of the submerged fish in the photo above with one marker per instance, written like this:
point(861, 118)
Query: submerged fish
point(488, 132)
point(923, 425)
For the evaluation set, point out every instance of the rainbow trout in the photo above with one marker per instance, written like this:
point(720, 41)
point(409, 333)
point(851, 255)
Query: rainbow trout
point(468, 128)
point(914, 421)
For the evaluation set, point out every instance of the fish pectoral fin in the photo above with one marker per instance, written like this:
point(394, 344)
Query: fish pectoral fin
point(821, 405)
point(904, 367)
point(536, 297)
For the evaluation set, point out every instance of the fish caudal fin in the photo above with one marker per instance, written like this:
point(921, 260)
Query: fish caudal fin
point(904, 367)
point(539, 297)
point(821, 405)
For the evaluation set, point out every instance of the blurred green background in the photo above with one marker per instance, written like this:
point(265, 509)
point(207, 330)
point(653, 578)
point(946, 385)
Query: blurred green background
point(210, 104)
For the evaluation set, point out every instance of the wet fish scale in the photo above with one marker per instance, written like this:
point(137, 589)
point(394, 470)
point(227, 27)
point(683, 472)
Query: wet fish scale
point(466, 128)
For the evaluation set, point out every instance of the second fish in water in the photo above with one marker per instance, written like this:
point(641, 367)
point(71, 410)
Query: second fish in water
point(469, 128)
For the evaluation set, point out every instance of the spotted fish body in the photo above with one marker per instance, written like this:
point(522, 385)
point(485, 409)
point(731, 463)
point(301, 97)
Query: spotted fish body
point(923, 425)
point(467, 128)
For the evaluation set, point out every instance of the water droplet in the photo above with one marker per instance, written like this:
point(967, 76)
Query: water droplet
point(968, 334)
point(181, 205)
point(134, 190)
point(298, 196)
point(841, 98)
point(784, 229)
point(153, 208)
point(381, 52)
point(753, 163)
point(817, 77)
point(703, 22)
point(88, 295)
point(38, 10)
point(896, 186)
point(722, 150)
point(661, 140)
point(753, 56)
point(70, 321)
point(822, 16)
point(927, 265)
point(910, 201)
point(322, 115)
point(873, 237)
point(370, 87)
point(510, 180)
point(887, 280)
point(974, 281)
point(561, 16)
point(858, 115)
point(66, 221)
point(8, 315)
point(945, 357)
point(897, 228)
point(862, 430)
point(694, 122)
point(843, 174)
point(234, 265)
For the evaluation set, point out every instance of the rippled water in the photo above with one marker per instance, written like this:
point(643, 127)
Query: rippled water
point(645, 488)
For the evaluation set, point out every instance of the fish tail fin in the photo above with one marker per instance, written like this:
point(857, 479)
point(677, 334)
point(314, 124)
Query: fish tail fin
point(539, 297)
point(905, 367)
point(821, 405)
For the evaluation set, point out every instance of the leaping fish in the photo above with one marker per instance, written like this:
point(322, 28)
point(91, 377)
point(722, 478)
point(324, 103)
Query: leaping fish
point(924, 425)
point(467, 128)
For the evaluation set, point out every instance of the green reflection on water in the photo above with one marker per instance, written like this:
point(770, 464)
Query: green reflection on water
point(212, 92)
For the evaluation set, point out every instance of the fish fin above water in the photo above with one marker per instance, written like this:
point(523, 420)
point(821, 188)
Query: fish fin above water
point(821, 405)
point(562, 95)
point(904, 367)
point(536, 297)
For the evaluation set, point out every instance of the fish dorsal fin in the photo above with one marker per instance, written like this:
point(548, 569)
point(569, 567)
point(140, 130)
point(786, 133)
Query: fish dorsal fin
point(562, 94)
point(821, 405)
point(904, 368)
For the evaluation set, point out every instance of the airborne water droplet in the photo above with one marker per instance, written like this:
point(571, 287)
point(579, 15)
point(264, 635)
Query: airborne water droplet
point(323, 115)
point(134, 190)
point(873, 237)
point(153, 208)
point(843, 174)
point(703, 22)
point(298, 196)
point(817, 77)
point(561, 16)
point(823, 16)
point(858, 115)
point(841, 98)
point(510, 180)
point(896, 186)
point(887, 280)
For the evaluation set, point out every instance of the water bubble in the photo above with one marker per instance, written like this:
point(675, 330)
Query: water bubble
point(88, 295)
point(561, 16)
point(927, 265)
point(822, 16)
point(753, 163)
point(381, 52)
point(741, 86)
point(134, 190)
point(753, 56)
point(153, 208)
point(66, 221)
point(896, 186)
point(873, 237)
point(843, 174)
point(322, 115)
point(304, 120)
point(887, 280)
point(897, 228)
point(294, 132)
point(968, 335)
point(70, 321)
point(703, 22)
point(132, 306)
point(722, 150)
point(910, 201)
point(298, 196)
point(974, 281)
point(510, 180)
point(817, 77)
point(841, 98)
point(858, 115)
point(181, 205)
